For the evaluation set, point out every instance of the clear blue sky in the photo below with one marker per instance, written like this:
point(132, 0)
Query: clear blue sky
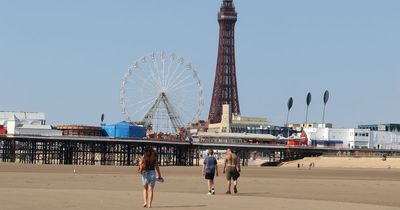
point(67, 58)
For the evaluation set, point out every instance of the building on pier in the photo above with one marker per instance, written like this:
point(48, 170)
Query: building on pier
point(325, 135)
point(3, 131)
point(239, 138)
point(80, 130)
point(384, 140)
point(300, 126)
point(124, 130)
point(338, 137)
point(392, 127)
point(31, 118)
point(384, 136)
point(32, 124)
point(235, 123)
point(377, 136)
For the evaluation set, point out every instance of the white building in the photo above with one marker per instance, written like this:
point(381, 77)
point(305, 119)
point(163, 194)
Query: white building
point(339, 137)
point(384, 136)
point(300, 126)
point(385, 140)
point(32, 118)
point(31, 124)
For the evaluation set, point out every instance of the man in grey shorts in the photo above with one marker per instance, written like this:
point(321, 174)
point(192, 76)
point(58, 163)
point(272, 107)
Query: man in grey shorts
point(232, 170)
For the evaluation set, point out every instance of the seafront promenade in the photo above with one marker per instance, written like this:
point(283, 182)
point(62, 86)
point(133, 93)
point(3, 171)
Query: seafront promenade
point(36, 187)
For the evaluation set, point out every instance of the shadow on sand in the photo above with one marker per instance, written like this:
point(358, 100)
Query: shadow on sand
point(183, 206)
point(258, 194)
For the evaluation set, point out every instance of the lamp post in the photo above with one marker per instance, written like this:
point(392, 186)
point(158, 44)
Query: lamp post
point(308, 101)
point(289, 106)
point(102, 119)
point(326, 98)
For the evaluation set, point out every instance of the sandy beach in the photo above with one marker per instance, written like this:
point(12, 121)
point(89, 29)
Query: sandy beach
point(41, 187)
point(347, 162)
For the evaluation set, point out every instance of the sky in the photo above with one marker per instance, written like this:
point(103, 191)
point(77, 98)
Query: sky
point(67, 58)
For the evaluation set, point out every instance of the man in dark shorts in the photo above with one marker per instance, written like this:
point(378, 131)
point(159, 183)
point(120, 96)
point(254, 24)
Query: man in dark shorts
point(232, 170)
point(210, 169)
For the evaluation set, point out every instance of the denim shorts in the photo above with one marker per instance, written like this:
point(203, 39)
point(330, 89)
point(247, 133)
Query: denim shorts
point(149, 178)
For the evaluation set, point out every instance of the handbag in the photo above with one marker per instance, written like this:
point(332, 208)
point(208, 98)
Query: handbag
point(237, 174)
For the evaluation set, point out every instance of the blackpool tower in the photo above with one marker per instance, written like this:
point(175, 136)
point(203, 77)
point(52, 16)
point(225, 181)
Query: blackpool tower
point(225, 85)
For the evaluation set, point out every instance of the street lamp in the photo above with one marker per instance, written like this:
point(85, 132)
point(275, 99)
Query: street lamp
point(326, 98)
point(308, 101)
point(289, 106)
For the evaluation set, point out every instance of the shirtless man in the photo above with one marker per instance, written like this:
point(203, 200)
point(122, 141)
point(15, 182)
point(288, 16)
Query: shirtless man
point(232, 170)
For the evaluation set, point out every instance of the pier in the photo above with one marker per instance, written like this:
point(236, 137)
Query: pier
point(126, 152)
point(91, 151)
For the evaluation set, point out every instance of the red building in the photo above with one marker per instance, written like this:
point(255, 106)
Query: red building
point(2, 130)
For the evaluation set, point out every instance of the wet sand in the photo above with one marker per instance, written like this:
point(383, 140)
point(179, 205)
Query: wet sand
point(41, 187)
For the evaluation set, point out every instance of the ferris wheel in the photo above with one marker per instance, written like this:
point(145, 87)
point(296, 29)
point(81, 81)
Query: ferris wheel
point(163, 91)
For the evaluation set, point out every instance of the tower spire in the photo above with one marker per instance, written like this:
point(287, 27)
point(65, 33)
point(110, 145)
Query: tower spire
point(225, 85)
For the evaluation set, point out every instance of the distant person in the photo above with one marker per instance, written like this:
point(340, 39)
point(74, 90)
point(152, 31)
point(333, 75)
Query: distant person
point(232, 170)
point(210, 169)
point(298, 165)
point(148, 167)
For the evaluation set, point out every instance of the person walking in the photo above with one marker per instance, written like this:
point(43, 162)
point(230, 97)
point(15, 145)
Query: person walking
point(210, 169)
point(149, 168)
point(232, 170)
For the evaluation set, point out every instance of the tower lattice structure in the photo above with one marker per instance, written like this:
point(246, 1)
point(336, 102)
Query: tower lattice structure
point(225, 86)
